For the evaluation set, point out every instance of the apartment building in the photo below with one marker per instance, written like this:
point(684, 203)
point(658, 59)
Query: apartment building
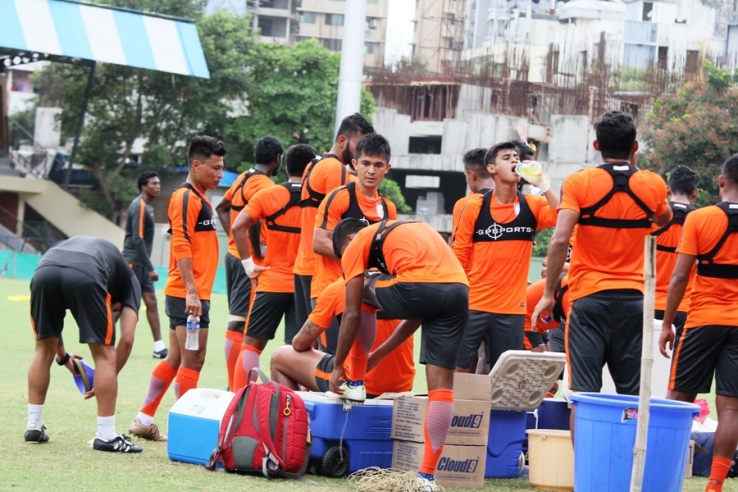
point(275, 19)
point(439, 33)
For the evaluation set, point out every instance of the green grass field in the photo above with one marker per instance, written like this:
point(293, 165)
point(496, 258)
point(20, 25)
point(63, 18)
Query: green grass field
point(66, 462)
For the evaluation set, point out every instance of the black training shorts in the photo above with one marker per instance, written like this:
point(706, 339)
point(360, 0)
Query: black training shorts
point(501, 332)
point(267, 313)
point(238, 287)
point(444, 309)
point(701, 352)
point(323, 371)
point(606, 328)
point(556, 338)
point(303, 306)
point(174, 307)
point(147, 285)
point(54, 289)
point(535, 339)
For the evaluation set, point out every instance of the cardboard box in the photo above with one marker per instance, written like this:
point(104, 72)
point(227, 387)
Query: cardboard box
point(469, 426)
point(690, 460)
point(472, 387)
point(459, 466)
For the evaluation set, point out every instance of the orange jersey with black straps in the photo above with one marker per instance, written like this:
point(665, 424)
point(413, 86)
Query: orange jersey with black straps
point(192, 226)
point(714, 301)
point(282, 235)
point(246, 185)
point(607, 258)
point(667, 243)
point(413, 251)
point(396, 372)
point(344, 202)
point(497, 267)
point(319, 180)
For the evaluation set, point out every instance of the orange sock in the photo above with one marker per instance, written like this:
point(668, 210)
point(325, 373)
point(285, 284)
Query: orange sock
point(435, 428)
point(247, 360)
point(161, 377)
point(718, 473)
point(185, 381)
point(357, 360)
point(232, 351)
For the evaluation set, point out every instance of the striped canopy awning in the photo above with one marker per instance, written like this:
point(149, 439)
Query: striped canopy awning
point(75, 29)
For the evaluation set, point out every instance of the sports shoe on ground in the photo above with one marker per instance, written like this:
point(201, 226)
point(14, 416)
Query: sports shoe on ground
point(120, 444)
point(425, 485)
point(36, 435)
point(161, 354)
point(352, 390)
point(149, 432)
point(714, 486)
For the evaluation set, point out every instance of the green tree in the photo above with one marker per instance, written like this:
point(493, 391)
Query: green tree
point(697, 127)
point(391, 190)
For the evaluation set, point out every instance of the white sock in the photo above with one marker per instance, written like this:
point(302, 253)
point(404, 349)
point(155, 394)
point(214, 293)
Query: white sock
point(145, 419)
point(34, 416)
point(106, 428)
point(159, 346)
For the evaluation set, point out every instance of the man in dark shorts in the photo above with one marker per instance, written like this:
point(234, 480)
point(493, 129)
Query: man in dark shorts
point(89, 277)
point(193, 262)
point(137, 251)
point(424, 281)
point(707, 347)
point(613, 207)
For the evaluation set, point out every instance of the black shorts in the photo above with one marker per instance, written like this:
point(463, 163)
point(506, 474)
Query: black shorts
point(323, 371)
point(444, 309)
point(606, 328)
point(267, 313)
point(55, 289)
point(238, 287)
point(535, 339)
point(174, 307)
point(501, 332)
point(680, 318)
point(702, 352)
point(556, 338)
point(147, 285)
point(303, 306)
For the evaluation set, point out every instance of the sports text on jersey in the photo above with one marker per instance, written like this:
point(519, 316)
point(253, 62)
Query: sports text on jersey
point(496, 231)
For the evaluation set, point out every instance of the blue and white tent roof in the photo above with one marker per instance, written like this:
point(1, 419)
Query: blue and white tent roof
point(79, 30)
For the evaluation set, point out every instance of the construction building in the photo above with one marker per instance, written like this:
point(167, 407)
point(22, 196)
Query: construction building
point(439, 34)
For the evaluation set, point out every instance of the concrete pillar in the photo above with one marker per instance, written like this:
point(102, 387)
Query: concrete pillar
point(352, 60)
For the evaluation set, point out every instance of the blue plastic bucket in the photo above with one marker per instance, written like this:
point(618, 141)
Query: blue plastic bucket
point(605, 434)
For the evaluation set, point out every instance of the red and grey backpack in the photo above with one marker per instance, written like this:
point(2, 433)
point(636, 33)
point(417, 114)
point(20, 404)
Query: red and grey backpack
point(264, 431)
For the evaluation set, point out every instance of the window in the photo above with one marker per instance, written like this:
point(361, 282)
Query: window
point(371, 22)
point(331, 44)
point(369, 48)
point(692, 63)
point(334, 19)
point(300, 39)
point(308, 17)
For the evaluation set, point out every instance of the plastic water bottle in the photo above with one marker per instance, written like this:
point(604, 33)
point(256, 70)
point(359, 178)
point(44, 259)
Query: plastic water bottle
point(193, 333)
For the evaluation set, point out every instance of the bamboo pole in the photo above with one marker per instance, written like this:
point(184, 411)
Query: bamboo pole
point(644, 400)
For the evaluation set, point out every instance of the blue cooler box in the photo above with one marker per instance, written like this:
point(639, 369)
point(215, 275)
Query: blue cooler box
point(344, 442)
point(194, 424)
point(505, 443)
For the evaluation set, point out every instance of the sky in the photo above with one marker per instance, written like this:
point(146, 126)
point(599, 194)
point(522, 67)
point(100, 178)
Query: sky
point(400, 14)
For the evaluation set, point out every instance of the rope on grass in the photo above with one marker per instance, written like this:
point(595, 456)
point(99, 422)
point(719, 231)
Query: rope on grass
point(373, 479)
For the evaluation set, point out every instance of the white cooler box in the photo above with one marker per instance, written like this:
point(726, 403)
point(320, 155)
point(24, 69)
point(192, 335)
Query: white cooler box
point(194, 424)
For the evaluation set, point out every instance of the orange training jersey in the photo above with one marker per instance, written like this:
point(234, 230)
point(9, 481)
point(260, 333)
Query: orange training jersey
point(666, 256)
point(336, 206)
point(608, 258)
point(498, 270)
point(396, 372)
point(413, 251)
point(318, 181)
point(532, 297)
point(239, 194)
point(282, 244)
point(714, 301)
point(192, 226)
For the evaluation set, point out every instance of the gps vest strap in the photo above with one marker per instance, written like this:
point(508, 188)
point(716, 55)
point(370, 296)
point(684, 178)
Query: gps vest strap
point(353, 211)
point(706, 265)
point(314, 198)
point(295, 189)
point(521, 228)
point(250, 173)
point(679, 213)
point(559, 293)
point(621, 174)
point(205, 219)
point(376, 250)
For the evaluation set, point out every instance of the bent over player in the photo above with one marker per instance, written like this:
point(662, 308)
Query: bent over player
point(424, 281)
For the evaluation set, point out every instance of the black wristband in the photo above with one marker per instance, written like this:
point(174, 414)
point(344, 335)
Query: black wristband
point(64, 359)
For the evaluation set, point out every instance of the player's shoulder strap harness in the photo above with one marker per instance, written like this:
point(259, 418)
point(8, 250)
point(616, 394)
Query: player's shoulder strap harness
point(621, 174)
point(271, 224)
point(679, 213)
point(206, 218)
point(521, 228)
point(242, 185)
point(706, 265)
point(314, 198)
point(559, 293)
point(376, 250)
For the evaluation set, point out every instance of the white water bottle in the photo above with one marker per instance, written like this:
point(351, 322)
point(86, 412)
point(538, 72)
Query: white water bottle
point(193, 333)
